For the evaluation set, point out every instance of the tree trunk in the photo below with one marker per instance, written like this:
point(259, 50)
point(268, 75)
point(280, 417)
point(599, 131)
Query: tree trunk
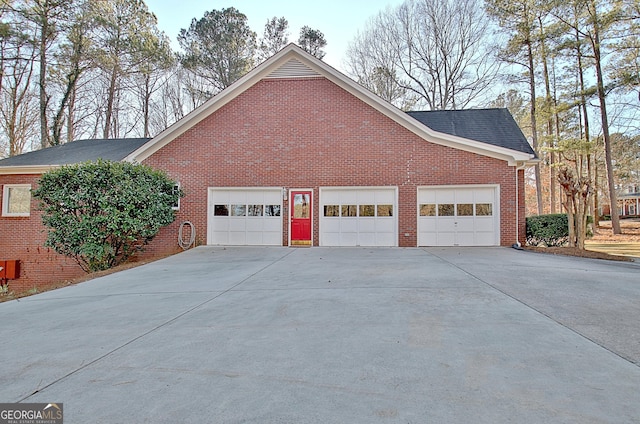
point(569, 205)
point(580, 221)
point(596, 201)
point(534, 130)
point(547, 86)
point(145, 106)
point(58, 121)
point(42, 81)
point(71, 106)
point(591, 175)
point(613, 198)
point(110, 101)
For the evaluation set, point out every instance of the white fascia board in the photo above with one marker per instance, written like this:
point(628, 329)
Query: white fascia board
point(26, 169)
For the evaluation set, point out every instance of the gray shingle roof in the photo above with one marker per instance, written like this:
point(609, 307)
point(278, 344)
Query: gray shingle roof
point(77, 152)
point(492, 126)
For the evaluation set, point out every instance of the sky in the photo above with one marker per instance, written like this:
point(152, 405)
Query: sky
point(338, 20)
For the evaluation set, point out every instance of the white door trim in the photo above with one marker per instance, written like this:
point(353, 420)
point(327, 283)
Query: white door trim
point(290, 206)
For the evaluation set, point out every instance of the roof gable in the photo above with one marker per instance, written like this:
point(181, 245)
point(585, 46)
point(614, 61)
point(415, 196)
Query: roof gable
point(293, 62)
point(70, 153)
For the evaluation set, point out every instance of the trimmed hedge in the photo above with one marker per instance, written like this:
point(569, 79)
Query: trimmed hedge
point(551, 229)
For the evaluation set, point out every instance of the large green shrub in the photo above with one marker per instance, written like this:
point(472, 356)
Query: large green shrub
point(101, 213)
point(551, 229)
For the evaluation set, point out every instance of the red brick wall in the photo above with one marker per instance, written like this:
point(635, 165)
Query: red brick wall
point(306, 133)
point(23, 238)
point(309, 133)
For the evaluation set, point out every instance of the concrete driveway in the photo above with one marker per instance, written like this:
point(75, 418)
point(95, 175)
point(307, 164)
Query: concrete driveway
point(324, 335)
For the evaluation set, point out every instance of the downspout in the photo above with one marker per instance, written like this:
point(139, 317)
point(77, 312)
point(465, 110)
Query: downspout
point(517, 244)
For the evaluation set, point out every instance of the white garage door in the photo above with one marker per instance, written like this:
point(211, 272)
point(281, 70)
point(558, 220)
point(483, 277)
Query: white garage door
point(358, 216)
point(241, 217)
point(458, 216)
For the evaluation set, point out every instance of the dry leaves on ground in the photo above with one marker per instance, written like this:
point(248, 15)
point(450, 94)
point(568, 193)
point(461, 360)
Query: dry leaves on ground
point(630, 232)
point(602, 234)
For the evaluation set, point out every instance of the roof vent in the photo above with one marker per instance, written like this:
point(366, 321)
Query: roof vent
point(293, 69)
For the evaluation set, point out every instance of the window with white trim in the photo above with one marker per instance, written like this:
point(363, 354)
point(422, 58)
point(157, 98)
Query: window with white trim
point(16, 200)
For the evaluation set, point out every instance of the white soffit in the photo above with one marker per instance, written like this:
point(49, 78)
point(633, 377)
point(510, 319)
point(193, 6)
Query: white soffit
point(26, 169)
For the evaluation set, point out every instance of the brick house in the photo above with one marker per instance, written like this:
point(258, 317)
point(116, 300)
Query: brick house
point(297, 154)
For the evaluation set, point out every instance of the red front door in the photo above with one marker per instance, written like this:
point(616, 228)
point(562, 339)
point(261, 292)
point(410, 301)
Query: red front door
point(300, 209)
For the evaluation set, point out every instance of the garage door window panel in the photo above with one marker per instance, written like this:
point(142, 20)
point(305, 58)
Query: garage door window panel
point(385, 210)
point(332, 210)
point(428, 209)
point(484, 209)
point(254, 210)
point(464, 209)
point(349, 210)
point(272, 210)
point(238, 210)
point(446, 209)
point(221, 210)
point(367, 210)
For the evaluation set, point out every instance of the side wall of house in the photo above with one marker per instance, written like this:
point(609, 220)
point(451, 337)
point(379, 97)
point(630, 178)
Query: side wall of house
point(310, 133)
point(23, 238)
point(304, 133)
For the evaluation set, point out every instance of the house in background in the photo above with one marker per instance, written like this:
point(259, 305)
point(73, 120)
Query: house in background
point(297, 154)
point(629, 202)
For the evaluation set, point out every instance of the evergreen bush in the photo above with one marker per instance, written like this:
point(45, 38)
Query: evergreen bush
point(101, 213)
point(552, 229)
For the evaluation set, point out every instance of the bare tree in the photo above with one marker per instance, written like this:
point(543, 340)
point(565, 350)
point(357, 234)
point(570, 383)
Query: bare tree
point(152, 69)
point(5, 32)
point(75, 56)
point(435, 49)
point(372, 65)
point(46, 16)
point(577, 192)
point(18, 114)
point(126, 36)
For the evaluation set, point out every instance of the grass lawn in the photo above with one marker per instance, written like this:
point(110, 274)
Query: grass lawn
point(625, 244)
point(624, 249)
